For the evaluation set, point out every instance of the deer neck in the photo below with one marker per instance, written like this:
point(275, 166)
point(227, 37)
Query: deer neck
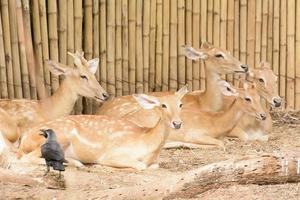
point(212, 96)
point(61, 103)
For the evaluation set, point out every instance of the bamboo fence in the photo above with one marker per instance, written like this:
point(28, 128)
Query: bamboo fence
point(139, 42)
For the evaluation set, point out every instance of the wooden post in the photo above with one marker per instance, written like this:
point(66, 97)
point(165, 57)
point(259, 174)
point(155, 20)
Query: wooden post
point(119, 48)
point(188, 41)
point(103, 48)
point(180, 43)
point(146, 45)
point(196, 43)
point(173, 46)
point(3, 77)
point(152, 46)
point(139, 47)
point(159, 33)
point(125, 71)
point(166, 50)
point(132, 46)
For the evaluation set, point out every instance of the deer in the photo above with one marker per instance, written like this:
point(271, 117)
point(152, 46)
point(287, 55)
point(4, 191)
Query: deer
point(8, 127)
point(205, 128)
point(107, 140)
point(79, 81)
point(248, 127)
point(217, 61)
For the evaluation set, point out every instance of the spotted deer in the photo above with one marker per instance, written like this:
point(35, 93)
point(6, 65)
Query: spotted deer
point(217, 61)
point(79, 81)
point(111, 141)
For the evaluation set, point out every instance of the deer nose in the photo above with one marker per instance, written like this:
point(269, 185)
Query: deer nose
point(176, 124)
point(263, 116)
point(105, 96)
point(277, 101)
point(244, 67)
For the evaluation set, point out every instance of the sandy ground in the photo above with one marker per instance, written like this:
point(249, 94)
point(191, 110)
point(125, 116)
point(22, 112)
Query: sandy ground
point(89, 182)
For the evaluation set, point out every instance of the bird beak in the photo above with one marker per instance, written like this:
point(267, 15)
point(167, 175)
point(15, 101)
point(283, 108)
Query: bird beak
point(42, 132)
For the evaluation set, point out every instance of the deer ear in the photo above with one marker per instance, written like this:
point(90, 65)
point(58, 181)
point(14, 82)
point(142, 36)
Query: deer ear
point(57, 68)
point(193, 54)
point(182, 91)
point(77, 60)
point(206, 45)
point(93, 65)
point(145, 101)
point(227, 89)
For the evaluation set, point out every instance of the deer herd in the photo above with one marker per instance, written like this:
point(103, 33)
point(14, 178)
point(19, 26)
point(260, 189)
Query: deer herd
point(130, 131)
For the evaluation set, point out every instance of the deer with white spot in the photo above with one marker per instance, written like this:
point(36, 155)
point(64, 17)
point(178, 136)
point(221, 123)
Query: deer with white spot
point(217, 62)
point(79, 81)
point(111, 141)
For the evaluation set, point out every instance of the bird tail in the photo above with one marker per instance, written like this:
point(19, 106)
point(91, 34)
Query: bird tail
point(58, 166)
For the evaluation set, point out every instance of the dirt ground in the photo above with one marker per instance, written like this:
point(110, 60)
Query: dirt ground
point(90, 182)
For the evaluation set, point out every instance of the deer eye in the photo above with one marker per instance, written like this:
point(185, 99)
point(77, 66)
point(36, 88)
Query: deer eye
point(228, 89)
point(84, 77)
point(261, 80)
point(163, 105)
point(248, 99)
point(180, 105)
point(219, 56)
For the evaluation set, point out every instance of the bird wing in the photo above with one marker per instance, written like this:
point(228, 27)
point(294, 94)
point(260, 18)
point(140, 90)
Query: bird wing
point(52, 151)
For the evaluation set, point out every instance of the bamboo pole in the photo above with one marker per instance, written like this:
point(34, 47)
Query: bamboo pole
point(230, 32)
point(23, 60)
point(78, 18)
point(258, 29)
point(180, 43)
point(223, 26)
point(297, 61)
point(166, 50)
point(146, 44)
point(152, 45)
point(282, 65)
point(251, 33)
point(290, 85)
point(139, 47)
point(270, 33)
point(243, 31)
point(7, 48)
point(158, 50)
point(276, 37)
point(210, 20)
point(132, 46)
point(119, 48)
point(3, 77)
point(15, 50)
point(88, 45)
point(264, 34)
point(173, 46)
point(125, 72)
point(27, 31)
point(45, 44)
point(111, 87)
point(196, 43)
point(216, 25)
point(70, 31)
point(53, 39)
point(203, 36)
point(62, 31)
point(236, 50)
point(188, 38)
point(103, 43)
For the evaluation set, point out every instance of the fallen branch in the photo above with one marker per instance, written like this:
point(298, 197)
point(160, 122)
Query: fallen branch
point(267, 169)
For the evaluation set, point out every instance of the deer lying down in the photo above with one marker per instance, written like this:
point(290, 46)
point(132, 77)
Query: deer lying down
point(249, 128)
point(8, 127)
point(206, 127)
point(110, 141)
point(79, 81)
point(217, 61)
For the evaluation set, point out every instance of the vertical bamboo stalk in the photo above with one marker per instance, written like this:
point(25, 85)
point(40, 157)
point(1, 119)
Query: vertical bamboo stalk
point(139, 47)
point(152, 45)
point(181, 42)
point(264, 33)
point(196, 43)
point(276, 36)
point(290, 85)
point(188, 38)
point(78, 17)
point(223, 26)
point(173, 46)
point(258, 28)
point(236, 51)
point(146, 47)
point(125, 71)
point(23, 60)
point(283, 31)
point(111, 87)
point(270, 32)
point(297, 64)
point(243, 31)
point(203, 29)
point(103, 43)
point(210, 20)
point(132, 46)
point(251, 33)
point(62, 31)
point(119, 48)
point(70, 31)
point(45, 45)
point(15, 50)
point(216, 26)
point(159, 33)
point(53, 39)
point(88, 45)
point(27, 31)
point(166, 34)
point(230, 32)
point(3, 78)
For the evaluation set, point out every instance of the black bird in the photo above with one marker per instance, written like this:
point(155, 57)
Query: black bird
point(52, 152)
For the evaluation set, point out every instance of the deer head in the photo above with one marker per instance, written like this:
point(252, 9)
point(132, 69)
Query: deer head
point(81, 77)
point(222, 61)
point(170, 106)
point(267, 84)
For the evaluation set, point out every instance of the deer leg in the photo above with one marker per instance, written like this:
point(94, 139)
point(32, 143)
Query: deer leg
point(33, 157)
point(239, 133)
point(125, 162)
point(74, 162)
